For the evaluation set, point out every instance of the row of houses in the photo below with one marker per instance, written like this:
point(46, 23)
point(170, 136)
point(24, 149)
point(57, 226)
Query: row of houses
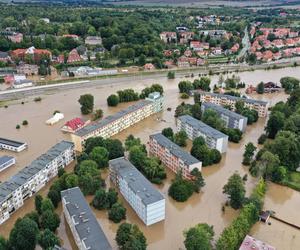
point(114, 124)
point(33, 177)
point(227, 100)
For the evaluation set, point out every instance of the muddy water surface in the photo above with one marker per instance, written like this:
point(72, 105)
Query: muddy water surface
point(202, 207)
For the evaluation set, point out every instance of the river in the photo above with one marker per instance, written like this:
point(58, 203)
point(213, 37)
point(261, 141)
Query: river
point(200, 208)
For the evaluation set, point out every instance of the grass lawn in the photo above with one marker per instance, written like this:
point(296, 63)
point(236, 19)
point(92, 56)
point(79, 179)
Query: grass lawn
point(293, 180)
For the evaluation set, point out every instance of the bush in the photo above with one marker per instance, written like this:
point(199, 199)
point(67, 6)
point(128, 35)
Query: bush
point(37, 99)
point(25, 122)
point(184, 96)
point(180, 189)
point(117, 213)
point(261, 140)
point(18, 126)
point(171, 75)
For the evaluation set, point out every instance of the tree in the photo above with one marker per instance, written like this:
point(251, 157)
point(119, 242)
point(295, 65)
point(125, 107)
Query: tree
point(260, 89)
point(23, 235)
point(142, 60)
point(180, 138)
point(33, 216)
point(98, 114)
point(117, 213)
point(54, 196)
point(114, 147)
point(100, 156)
point(71, 180)
point(275, 123)
point(181, 189)
point(87, 103)
point(249, 153)
point(3, 243)
point(235, 189)
point(38, 199)
point(199, 237)
point(289, 83)
point(168, 132)
point(267, 163)
point(47, 205)
point(185, 87)
point(132, 141)
point(198, 180)
point(171, 75)
point(129, 237)
point(196, 111)
point(48, 239)
point(202, 83)
point(50, 220)
point(279, 174)
point(137, 156)
point(100, 200)
point(112, 197)
point(113, 100)
point(153, 170)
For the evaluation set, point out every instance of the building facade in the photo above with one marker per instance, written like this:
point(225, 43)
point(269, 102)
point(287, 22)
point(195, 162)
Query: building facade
point(6, 162)
point(32, 178)
point(172, 156)
point(12, 145)
point(87, 232)
point(230, 118)
point(226, 100)
point(195, 128)
point(143, 197)
point(114, 124)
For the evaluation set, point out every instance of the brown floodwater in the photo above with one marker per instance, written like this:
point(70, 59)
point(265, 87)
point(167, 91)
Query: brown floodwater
point(200, 208)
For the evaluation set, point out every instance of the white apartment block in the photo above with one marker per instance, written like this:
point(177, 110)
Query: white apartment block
point(230, 118)
point(172, 156)
point(143, 197)
point(114, 124)
point(32, 178)
point(195, 128)
point(219, 99)
point(12, 145)
point(6, 162)
point(87, 232)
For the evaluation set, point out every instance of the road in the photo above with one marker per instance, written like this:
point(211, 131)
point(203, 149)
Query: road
point(14, 94)
point(246, 44)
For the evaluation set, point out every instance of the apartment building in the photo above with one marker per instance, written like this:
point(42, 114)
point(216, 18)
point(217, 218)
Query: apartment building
point(143, 197)
point(87, 232)
point(173, 156)
point(114, 124)
point(6, 162)
point(12, 145)
point(32, 178)
point(195, 128)
point(219, 99)
point(230, 118)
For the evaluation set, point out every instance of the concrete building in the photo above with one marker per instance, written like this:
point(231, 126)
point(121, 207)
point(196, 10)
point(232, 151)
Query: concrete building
point(230, 118)
point(93, 40)
point(32, 178)
point(195, 128)
point(114, 124)
point(6, 162)
point(87, 232)
point(219, 99)
point(172, 156)
point(12, 145)
point(143, 197)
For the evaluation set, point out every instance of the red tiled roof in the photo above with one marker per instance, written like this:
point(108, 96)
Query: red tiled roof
point(75, 123)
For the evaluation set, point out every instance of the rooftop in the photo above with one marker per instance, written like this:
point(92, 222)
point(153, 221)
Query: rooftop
point(187, 158)
point(109, 119)
point(19, 179)
point(11, 142)
point(4, 159)
point(136, 181)
point(234, 98)
point(87, 226)
point(220, 109)
point(251, 243)
point(201, 126)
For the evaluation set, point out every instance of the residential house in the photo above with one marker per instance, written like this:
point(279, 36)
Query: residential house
point(168, 37)
point(185, 36)
point(75, 37)
point(290, 42)
point(183, 62)
point(93, 40)
point(168, 53)
point(28, 69)
point(188, 53)
point(4, 57)
point(250, 243)
point(235, 48)
point(278, 43)
point(149, 66)
point(73, 56)
point(267, 56)
point(15, 37)
point(35, 54)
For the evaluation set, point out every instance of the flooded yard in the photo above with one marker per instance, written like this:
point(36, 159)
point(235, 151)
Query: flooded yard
point(204, 207)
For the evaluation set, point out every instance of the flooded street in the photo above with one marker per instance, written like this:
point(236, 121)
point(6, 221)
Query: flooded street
point(204, 207)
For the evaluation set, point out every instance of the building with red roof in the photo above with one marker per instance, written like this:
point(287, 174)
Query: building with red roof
point(37, 54)
point(74, 56)
point(75, 37)
point(149, 66)
point(74, 125)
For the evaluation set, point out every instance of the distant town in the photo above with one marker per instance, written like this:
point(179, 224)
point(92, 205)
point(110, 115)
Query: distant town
point(204, 158)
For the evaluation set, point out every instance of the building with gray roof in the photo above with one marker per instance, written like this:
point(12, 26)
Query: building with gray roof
point(12, 145)
point(230, 118)
point(33, 177)
point(85, 228)
point(6, 162)
point(143, 197)
point(227, 100)
point(121, 120)
point(173, 156)
point(195, 128)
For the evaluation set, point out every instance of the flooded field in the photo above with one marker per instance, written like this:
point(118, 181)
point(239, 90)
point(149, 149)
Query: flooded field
point(202, 207)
